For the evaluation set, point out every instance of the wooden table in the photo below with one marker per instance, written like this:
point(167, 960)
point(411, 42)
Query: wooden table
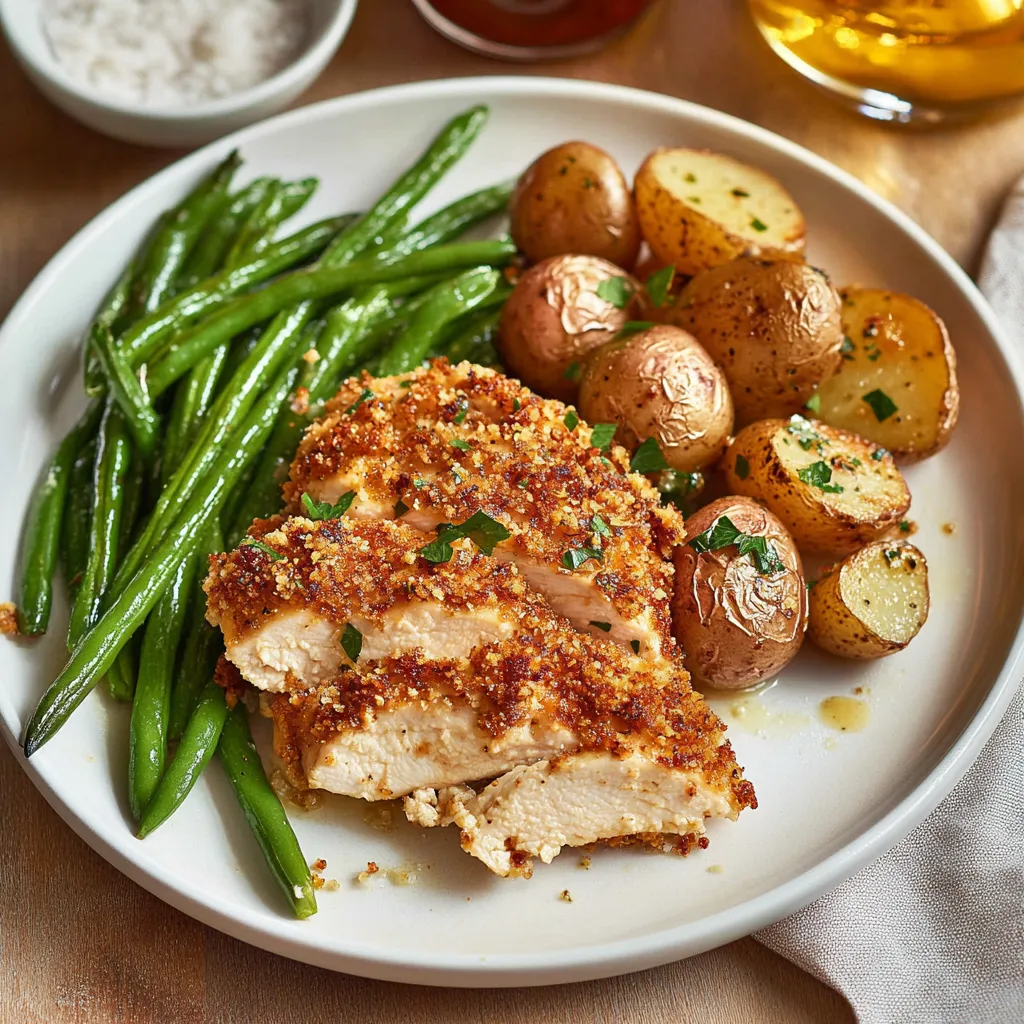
point(80, 943)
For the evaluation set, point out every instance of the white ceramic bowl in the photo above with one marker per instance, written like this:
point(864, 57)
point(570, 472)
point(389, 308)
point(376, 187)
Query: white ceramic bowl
point(21, 22)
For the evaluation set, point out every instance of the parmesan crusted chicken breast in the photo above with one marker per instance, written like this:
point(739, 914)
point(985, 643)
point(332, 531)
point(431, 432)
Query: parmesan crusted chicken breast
point(445, 442)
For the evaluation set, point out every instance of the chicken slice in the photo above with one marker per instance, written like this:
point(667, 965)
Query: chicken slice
point(625, 744)
point(440, 444)
point(283, 603)
point(534, 810)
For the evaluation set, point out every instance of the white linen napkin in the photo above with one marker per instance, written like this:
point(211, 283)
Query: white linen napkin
point(933, 932)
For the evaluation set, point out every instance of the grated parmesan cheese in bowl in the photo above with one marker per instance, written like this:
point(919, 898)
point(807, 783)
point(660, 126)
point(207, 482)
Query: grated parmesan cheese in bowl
point(174, 53)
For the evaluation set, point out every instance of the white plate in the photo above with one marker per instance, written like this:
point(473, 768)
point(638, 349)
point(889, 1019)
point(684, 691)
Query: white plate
point(830, 802)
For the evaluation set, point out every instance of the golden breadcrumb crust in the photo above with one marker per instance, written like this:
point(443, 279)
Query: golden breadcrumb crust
point(517, 458)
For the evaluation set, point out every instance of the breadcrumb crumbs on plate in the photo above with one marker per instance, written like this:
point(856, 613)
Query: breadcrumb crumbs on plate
point(318, 882)
point(371, 869)
point(311, 356)
point(565, 896)
point(8, 619)
point(949, 529)
point(332, 885)
point(585, 862)
point(318, 865)
point(714, 869)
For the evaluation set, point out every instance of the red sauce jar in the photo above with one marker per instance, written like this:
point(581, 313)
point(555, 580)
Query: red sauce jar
point(531, 29)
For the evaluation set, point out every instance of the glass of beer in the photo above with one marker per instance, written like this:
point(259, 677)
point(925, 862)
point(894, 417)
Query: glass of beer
point(902, 60)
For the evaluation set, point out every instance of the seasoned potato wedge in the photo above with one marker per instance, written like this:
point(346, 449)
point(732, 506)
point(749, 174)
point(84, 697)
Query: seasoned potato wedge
point(897, 382)
point(574, 199)
point(660, 383)
point(872, 603)
point(698, 209)
point(772, 325)
point(833, 490)
point(738, 618)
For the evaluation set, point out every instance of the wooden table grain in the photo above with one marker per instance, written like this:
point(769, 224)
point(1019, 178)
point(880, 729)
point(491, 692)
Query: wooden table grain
point(79, 943)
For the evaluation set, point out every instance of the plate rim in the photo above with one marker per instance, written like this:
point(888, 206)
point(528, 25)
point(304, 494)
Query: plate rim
point(623, 955)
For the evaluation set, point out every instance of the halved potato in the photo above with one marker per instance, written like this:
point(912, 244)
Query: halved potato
point(872, 603)
point(739, 619)
point(833, 490)
point(897, 382)
point(698, 209)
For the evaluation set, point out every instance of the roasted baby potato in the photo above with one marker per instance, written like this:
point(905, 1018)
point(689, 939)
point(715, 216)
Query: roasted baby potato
point(574, 199)
point(739, 618)
point(555, 316)
point(833, 490)
point(772, 325)
point(897, 382)
point(660, 383)
point(872, 603)
point(698, 209)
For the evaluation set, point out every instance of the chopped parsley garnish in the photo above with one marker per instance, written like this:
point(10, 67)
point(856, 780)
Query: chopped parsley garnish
point(690, 177)
point(742, 467)
point(484, 531)
point(802, 430)
point(847, 347)
point(352, 642)
point(400, 508)
point(818, 474)
point(605, 627)
point(678, 488)
point(878, 454)
point(648, 458)
point(892, 555)
point(631, 327)
point(757, 224)
point(364, 396)
point(405, 384)
point(572, 372)
point(571, 420)
point(723, 533)
point(659, 283)
point(463, 446)
point(516, 405)
point(601, 435)
point(419, 484)
point(741, 193)
point(600, 527)
point(575, 557)
point(251, 542)
point(460, 416)
point(881, 404)
point(904, 526)
point(874, 357)
point(456, 475)
point(319, 511)
point(635, 644)
point(615, 290)
point(813, 404)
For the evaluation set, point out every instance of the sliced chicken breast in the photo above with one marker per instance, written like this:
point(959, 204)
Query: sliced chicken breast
point(286, 596)
point(534, 810)
point(438, 445)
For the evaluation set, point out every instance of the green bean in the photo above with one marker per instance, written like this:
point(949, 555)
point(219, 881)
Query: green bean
point(75, 528)
point(111, 310)
point(124, 673)
point(165, 258)
point(210, 251)
point(97, 650)
point(145, 336)
point(281, 201)
point(192, 401)
point(113, 457)
point(147, 734)
point(127, 392)
point(265, 814)
point(449, 301)
point(447, 147)
point(277, 346)
point(202, 642)
point(198, 744)
point(241, 313)
point(40, 541)
point(134, 491)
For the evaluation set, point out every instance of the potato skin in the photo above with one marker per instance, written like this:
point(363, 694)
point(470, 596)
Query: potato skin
point(660, 383)
point(574, 199)
point(554, 318)
point(736, 626)
point(834, 625)
point(772, 325)
point(874, 498)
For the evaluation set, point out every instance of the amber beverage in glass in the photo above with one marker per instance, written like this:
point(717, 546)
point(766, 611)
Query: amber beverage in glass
point(905, 60)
